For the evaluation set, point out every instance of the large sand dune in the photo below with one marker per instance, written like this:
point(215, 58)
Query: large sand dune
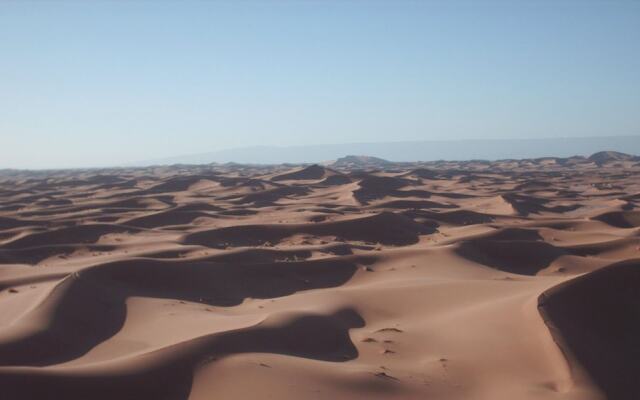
point(516, 279)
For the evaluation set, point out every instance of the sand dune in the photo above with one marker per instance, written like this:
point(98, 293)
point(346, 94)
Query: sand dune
point(364, 279)
point(596, 321)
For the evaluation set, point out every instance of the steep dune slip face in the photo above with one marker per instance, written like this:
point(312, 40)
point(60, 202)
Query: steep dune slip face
point(364, 279)
point(596, 320)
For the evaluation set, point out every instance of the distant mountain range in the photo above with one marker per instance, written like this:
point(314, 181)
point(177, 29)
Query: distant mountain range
point(454, 150)
point(366, 162)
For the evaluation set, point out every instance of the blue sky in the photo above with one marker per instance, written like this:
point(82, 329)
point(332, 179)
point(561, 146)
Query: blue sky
point(103, 83)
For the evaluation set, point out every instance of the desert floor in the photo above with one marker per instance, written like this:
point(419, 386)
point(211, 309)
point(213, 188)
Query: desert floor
point(474, 280)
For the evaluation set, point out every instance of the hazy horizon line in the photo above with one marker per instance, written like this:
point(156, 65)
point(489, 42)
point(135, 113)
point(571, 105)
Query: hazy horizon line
point(172, 160)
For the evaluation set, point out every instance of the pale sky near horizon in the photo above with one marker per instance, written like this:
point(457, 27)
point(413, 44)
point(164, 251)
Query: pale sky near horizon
point(105, 83)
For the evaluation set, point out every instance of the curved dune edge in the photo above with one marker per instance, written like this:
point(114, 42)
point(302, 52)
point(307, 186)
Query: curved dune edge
point(595, 321)
point(310, 336)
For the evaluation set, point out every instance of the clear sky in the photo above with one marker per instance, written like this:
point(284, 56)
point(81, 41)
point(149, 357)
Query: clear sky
point(101, 83)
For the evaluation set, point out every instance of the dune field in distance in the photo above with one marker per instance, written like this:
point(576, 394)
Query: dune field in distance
point(358, 279)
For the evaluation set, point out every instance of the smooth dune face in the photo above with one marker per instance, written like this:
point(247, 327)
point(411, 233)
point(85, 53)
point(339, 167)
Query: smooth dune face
point(516, 279)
